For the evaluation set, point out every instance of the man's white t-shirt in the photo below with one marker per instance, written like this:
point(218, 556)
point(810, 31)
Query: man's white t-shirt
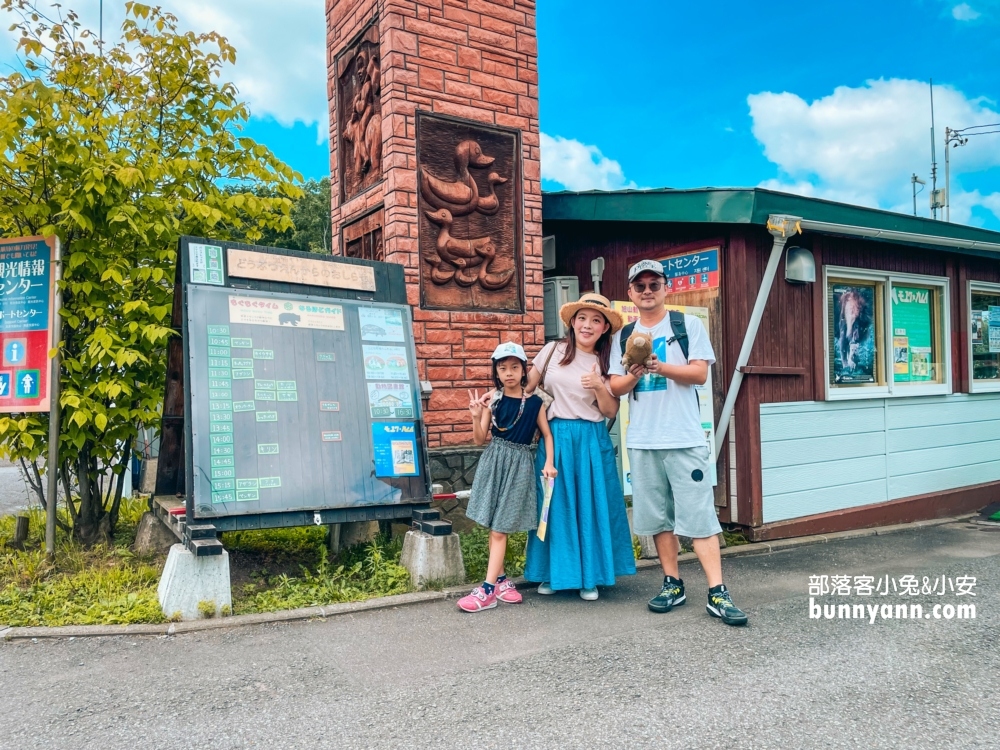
point(666, 414)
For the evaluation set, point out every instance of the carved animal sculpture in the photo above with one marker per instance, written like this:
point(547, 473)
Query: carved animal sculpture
point(465, 255)
point(452, 249)
point(489, 204)
point(460, 196)
point(638, 350)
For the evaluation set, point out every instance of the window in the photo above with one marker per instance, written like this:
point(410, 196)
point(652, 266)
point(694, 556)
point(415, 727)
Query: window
point(885, 334)
point(984, 307)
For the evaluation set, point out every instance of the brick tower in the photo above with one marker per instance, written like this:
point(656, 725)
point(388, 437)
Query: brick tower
point(434, 156)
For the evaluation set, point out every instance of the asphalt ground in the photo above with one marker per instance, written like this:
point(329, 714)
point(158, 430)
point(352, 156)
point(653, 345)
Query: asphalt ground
point(554, 671)
point(14, 492)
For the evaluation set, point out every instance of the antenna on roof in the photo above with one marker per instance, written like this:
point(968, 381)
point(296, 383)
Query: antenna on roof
point(934, 193)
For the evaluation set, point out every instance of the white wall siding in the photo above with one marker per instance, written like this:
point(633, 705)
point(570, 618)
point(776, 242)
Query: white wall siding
point(818, 457)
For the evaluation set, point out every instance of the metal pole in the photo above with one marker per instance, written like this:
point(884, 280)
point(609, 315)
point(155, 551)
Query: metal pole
point(913, 183)
point(947, 175)
point(53, 462)
point(933, 156)
point(781, 227)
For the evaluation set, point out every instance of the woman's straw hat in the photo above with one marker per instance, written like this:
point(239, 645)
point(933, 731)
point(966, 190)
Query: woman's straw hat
point(592, 301)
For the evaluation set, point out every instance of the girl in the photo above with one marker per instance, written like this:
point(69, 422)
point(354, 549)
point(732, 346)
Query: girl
point(503, 492)
point(588, 541)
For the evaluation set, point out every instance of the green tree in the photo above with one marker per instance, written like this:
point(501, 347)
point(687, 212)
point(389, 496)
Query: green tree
point(311, 230)
point(119, 151)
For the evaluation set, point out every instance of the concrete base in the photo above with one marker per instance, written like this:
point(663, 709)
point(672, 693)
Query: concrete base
point(147, 482)
point(433, 559)
point(357, 532)
point(152, 537)
point(190, 581)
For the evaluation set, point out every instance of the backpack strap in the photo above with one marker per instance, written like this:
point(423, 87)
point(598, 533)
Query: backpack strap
point(679, 328)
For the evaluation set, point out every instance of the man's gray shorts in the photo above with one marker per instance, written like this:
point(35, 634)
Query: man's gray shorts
point(672, 491)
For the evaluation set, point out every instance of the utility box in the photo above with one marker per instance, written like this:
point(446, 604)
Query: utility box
point(557, 291)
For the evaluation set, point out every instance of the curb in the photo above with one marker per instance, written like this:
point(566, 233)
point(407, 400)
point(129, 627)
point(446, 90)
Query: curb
point(419, 597)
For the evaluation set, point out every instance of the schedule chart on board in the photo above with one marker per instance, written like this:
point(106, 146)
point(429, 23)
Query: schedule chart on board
point(299, 402)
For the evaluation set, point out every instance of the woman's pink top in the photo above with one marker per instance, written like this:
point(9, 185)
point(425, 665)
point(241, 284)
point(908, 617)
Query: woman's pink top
point(572, 400)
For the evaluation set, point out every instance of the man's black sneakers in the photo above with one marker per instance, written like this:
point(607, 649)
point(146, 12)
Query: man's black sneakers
point(720, 604)
point(670, 596)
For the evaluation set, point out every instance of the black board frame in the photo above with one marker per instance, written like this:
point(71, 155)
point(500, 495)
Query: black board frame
point(175, 466)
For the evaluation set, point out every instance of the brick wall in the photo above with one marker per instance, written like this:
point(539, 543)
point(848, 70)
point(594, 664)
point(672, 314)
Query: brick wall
point(475, 59)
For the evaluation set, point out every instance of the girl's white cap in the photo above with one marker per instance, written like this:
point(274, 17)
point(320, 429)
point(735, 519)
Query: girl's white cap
point(510, 349)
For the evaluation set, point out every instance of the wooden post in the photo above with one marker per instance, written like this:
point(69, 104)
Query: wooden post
point(20, 532)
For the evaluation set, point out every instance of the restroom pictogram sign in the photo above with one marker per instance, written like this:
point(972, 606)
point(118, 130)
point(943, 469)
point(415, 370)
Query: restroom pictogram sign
point(26, 317)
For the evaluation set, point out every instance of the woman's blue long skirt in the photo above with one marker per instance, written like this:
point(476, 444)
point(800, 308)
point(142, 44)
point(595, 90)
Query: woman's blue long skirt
point(588, 541)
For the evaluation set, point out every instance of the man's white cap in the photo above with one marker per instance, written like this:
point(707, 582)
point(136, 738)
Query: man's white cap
point(510, 349)
point(646, 266)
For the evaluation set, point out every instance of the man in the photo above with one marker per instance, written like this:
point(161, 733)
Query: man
point(671, 488)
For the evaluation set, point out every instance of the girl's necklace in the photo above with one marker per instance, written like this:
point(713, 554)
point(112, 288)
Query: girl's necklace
point(493, 418)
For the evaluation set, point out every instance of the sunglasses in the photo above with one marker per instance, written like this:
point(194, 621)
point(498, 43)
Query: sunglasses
point(653, 286)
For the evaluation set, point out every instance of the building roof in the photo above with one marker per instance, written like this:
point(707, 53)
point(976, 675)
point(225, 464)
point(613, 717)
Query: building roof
point(739, 206)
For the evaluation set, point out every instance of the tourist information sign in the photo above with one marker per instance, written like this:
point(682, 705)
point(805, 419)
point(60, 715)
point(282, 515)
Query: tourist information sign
point(301, 401)
point(27, 298)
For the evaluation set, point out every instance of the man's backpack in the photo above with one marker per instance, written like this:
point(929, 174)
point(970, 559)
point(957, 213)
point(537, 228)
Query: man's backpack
point(676, 325)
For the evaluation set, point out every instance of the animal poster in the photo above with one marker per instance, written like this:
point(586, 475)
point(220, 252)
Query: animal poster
point(853, 345)
point(395, 449)
point(900, 356)
point(380, 325)
point(386, 363)
point(980, 320)
point(993, 332)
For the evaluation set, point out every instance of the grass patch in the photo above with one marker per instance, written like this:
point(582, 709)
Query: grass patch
point(476, 553)
point(109, 585)
point(734, 538)
point(104, 585)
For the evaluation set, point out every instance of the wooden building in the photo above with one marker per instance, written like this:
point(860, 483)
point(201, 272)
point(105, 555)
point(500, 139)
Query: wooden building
point(870, 396)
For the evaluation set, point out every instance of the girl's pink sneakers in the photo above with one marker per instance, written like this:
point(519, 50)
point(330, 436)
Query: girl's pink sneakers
point(478, 600)
point(508, 593)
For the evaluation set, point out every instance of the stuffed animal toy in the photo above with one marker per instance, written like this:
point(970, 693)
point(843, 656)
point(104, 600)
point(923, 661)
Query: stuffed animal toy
point(638, 349)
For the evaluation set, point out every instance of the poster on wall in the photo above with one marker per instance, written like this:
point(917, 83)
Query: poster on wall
point(994, 329)
point(395, 447)
point(631, 313)
point(853, 332)
point(912, 317)
point(980, 320)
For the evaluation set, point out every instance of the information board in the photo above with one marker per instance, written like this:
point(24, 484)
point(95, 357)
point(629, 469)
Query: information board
point(300, 402)
point(26, 296)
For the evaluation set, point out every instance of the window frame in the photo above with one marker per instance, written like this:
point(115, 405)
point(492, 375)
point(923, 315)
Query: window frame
point(988, 287)
point(889, 389)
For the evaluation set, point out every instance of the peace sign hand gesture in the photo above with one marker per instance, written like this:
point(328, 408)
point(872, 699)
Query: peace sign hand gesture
point(477, 403)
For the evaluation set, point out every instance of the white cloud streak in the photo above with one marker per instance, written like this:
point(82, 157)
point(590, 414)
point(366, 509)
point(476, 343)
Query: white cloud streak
point(280, 66)
point(964, 12)
point(578, 166)
point(860, 145)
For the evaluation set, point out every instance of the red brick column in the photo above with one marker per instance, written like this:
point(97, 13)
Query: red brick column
point(474, 59)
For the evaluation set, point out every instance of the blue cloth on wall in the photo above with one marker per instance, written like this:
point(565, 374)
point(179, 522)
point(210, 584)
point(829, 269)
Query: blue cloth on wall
point(588, 541)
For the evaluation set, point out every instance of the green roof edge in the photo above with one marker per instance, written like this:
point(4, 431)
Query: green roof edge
point(738, 206)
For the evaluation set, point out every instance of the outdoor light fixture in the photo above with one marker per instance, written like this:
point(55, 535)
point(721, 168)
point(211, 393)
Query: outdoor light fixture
point(800, 266)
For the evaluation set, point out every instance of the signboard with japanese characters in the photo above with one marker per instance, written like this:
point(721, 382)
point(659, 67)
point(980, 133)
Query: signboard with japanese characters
point(692, 271)
point(26, 317)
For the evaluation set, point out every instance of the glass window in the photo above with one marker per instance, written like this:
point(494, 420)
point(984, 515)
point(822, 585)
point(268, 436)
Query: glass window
point(985, 336)
point(886, 334)
point(917, 334)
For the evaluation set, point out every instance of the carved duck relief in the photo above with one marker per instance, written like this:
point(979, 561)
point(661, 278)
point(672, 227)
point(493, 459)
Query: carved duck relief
point(460, 196)
point(465, 255)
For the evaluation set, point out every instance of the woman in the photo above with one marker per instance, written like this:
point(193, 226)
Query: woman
point(588, 541)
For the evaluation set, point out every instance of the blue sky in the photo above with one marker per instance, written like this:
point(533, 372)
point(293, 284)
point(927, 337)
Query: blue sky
point(824, 98)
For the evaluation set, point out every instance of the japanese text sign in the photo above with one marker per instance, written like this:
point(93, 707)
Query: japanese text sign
point(26, 297)
point(692, 271)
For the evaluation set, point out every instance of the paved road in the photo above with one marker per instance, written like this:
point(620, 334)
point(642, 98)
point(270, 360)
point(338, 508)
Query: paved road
point(554, 672)
point(14, 492)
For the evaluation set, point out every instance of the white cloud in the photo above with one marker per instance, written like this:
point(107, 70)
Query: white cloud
point(964, 12)
point(860, 145)
point(577, 166)
point(280, 49)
